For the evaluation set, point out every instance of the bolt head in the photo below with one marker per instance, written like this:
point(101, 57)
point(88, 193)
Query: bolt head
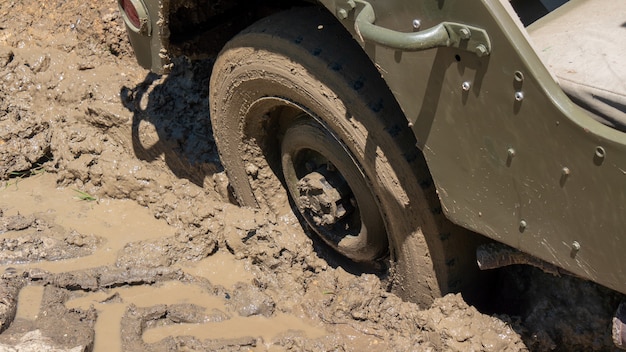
point(465, 33)
point(481, 50)
point(343, 14)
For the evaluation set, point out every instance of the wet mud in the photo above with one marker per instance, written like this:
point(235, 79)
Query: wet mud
point(118, 231)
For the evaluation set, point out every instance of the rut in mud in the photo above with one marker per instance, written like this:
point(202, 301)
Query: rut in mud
point(117, 231)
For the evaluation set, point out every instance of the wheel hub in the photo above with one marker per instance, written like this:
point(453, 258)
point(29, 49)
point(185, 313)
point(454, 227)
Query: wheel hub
point(331, 192)
point(322, 195)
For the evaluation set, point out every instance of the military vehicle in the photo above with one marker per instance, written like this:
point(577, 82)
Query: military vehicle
point(398, 129)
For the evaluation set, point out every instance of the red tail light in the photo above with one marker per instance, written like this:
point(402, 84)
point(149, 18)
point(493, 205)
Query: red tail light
point(135, 15)
point(131, 13)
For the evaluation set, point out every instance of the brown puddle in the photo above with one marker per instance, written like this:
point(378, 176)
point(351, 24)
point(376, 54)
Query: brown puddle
point(110, 314)
point(220, 268)
point(119, 222)
point(30, 301)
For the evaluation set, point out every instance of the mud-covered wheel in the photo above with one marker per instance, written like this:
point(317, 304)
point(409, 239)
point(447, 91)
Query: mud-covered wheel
point(297, 105)
point(331, 191)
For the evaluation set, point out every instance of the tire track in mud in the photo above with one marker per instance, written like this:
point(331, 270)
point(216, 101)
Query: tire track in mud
point(133, 288)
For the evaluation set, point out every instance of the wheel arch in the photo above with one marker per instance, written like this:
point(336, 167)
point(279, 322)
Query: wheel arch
point(408, 199)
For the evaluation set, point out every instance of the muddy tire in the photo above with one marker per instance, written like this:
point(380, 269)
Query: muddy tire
point(296, 105)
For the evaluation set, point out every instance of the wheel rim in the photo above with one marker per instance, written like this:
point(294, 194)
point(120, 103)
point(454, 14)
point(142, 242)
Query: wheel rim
point(331, 191)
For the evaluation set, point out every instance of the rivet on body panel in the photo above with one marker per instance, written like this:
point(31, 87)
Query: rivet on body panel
point(466, 86)
point(510, 154)
point(417, 24)
point(519, 96)
point(599, 156)
point(575, 249)
point(565, 172)
point(522, 225)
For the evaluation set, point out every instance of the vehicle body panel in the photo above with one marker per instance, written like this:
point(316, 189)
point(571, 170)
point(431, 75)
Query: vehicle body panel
point(538, 174)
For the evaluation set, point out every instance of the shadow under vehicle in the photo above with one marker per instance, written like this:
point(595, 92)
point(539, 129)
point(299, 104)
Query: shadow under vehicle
point(400, 129)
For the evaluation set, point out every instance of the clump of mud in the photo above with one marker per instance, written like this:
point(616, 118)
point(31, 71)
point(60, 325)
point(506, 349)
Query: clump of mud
point(33, 239)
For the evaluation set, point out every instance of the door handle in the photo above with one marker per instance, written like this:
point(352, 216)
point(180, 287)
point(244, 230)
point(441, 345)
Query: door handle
point(445, 34)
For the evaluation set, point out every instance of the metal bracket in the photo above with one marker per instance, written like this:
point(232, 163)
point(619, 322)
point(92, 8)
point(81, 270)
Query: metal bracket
point(468, 38)
point(445, 34)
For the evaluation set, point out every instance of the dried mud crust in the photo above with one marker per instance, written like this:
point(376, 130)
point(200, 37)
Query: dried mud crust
point(74, 105)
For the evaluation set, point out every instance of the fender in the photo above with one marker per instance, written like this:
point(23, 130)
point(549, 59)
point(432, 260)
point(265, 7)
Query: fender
point(512, 157)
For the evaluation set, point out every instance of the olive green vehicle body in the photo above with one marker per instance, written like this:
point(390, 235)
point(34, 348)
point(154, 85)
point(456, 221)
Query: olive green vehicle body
point(530, 170)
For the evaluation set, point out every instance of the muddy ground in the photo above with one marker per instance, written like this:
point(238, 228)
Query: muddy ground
point(117, 231)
